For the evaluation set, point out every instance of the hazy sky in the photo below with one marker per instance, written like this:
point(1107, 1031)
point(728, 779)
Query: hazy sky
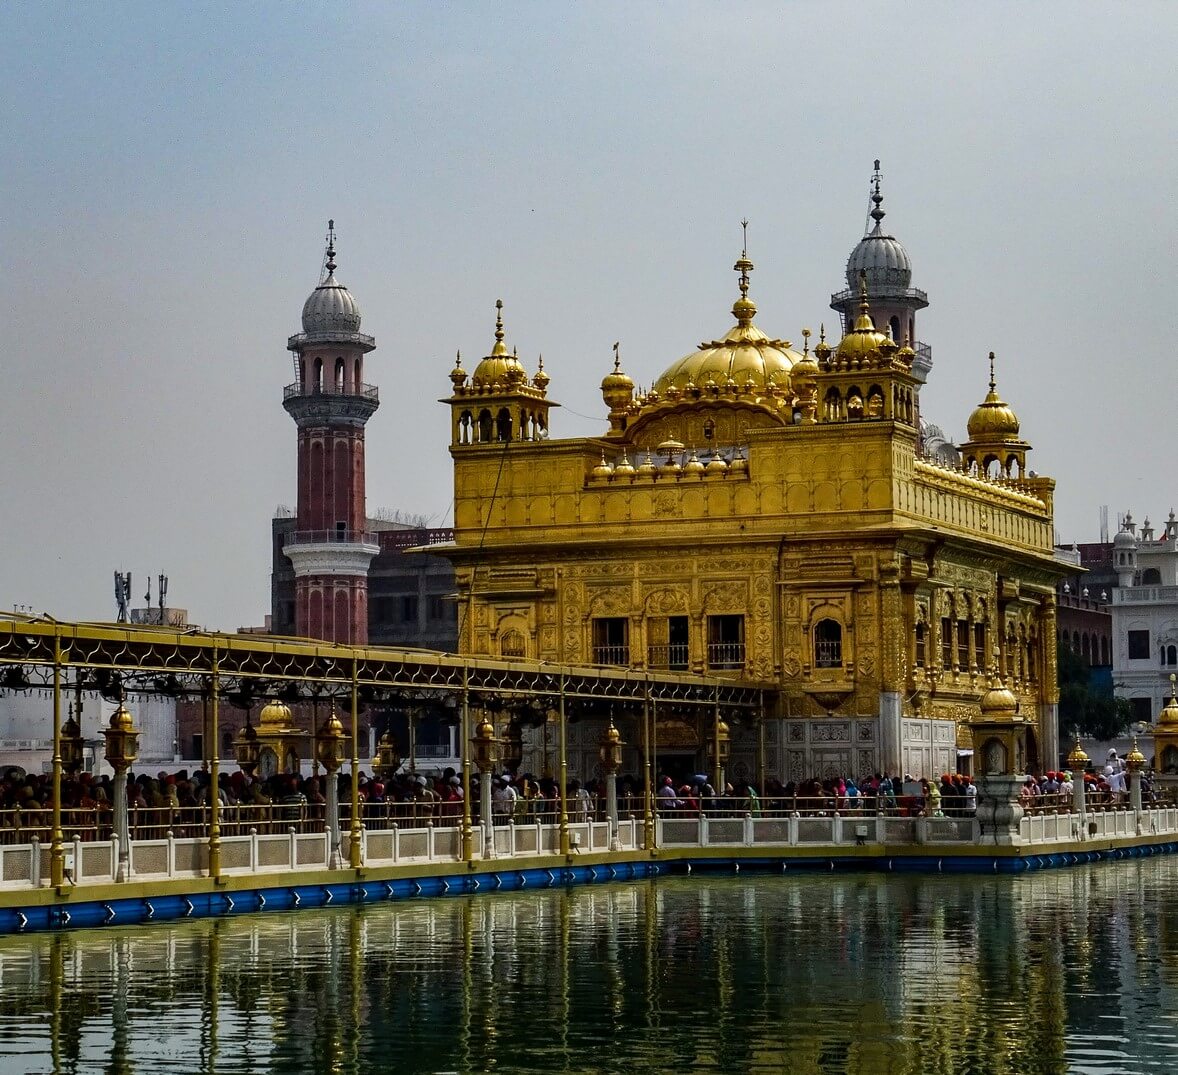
point(168, 171)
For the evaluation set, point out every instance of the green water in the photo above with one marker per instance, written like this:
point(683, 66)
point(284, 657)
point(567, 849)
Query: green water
point(1065, 970)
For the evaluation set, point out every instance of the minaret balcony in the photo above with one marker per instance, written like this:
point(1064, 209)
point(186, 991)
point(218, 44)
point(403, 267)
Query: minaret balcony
point(311, 404)
point(330, 537)
point(299, 388)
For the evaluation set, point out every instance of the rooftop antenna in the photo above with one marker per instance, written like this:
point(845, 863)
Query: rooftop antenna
point(163, 595)
point(147, 596)
point(1104, 524)
point(123, 595)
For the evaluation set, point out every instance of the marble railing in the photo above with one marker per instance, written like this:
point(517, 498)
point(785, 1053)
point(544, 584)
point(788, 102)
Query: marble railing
point(25, 866)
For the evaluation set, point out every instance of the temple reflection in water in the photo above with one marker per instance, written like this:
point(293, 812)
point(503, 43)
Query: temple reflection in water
point(807, 973)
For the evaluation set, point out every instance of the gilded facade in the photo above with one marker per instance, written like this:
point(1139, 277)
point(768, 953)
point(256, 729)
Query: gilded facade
point(769, 512)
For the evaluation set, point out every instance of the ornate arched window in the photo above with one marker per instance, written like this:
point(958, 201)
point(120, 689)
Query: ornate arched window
point(828, 644)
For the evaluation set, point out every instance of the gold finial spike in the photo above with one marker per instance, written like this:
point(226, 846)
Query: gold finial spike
point(822, 332)
point(864, 308)
point(1173, 685)
point(805, 341)
point(993, 383)
point(617, 356)
point(743, 265)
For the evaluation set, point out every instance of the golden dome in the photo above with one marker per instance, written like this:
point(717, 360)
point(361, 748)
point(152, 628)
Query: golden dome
point(498, 369)
point(458, 374)
point(624, 468)
point(603, 469)
point(541, 380)
point(1077, 759)
point(275, 715)
point(1169, 713)
point(992, 419)
point(863, 339)
point(121, 720)
point(742, 356)
point(999, 705)
point(693, 465)
point(1134, 759)
point(333, 727)
point(617, 389)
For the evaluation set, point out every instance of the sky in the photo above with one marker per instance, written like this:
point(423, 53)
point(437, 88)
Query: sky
point(168, 171)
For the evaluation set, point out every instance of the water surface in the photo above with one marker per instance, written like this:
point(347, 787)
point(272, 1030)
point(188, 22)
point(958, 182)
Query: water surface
point(1065, 970)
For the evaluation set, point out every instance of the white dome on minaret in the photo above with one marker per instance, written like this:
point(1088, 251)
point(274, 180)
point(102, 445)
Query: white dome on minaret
point(331, 307)
point(881, 258)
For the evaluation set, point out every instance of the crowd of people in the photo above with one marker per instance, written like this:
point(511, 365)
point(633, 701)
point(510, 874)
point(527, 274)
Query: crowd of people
point(176, 801)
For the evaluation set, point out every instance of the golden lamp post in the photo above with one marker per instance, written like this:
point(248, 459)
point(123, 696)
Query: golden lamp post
point(720, 749)
point(122, 748)
point(1078, 763)
point(611, 762)
point(1135, 763)
point(329, 752)
point(483, 747)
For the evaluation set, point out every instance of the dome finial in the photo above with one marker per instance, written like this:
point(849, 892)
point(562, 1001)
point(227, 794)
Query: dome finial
point(877, 213)
point(500, 348)
point(330, 262)
point(744, 309)
point(993, 383)
point(617, 356)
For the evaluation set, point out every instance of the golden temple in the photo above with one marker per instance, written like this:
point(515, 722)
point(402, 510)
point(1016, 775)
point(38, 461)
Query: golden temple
point(774, 515)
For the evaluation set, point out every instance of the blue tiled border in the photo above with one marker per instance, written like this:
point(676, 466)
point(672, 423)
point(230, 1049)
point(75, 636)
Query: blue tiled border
point(84, 914)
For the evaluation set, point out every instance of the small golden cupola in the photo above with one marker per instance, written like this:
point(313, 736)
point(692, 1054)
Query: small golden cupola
point(617, 389)
point(867, 377)
point(499, 403)
point(499, 369)
point(994, 447)
point(863, 341)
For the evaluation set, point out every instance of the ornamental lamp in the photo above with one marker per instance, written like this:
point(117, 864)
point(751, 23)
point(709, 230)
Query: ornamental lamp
point(484, 744)
point(245, 747)
point(1077, 759)
point(122, 739)
point(387, 760)
point(71, 744)
point(329, 743)
point(723, 740)
point(1135, 760)
point(611, 749)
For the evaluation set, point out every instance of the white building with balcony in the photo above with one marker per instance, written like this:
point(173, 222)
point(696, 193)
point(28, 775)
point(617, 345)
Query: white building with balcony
point(1145, 615)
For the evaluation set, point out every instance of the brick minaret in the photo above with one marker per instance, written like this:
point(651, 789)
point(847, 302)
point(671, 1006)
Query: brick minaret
point(331, 404)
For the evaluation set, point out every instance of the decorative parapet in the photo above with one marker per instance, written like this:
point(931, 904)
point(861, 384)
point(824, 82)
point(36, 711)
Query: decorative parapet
point(1009, 492)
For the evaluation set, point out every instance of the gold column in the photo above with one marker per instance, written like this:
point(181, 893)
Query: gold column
point(647, 771)
point(354, 833)
point(564, 772)
point(214, 771)
point(56, 839)
point(717, 764)
point(761, 746)
point(467, 834)
point(1049, 655)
